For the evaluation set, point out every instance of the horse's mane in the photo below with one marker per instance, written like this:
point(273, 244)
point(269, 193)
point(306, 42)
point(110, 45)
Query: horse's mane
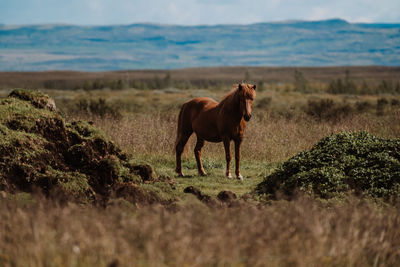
point(229, 97)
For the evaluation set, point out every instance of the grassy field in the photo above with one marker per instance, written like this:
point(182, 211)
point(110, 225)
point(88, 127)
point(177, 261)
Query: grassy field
point(298, 233)
point(197, 78)
point(303, 232)
point(283, 125)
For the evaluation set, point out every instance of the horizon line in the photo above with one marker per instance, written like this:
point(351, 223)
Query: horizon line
point(290, 21)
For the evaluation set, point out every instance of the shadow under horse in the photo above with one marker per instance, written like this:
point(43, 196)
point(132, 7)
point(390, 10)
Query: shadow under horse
point(215, 122)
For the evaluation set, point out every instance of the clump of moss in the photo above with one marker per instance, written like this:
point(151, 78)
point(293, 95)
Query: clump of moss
point(37, 99)
point(355, 162)
point(38, 149)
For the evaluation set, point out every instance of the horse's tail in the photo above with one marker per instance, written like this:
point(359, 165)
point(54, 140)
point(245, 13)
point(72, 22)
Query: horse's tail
point(180, 124)
point(184, 129)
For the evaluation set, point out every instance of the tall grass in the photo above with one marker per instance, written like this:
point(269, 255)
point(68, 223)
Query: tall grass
point(297, 233)
point(266, 138)
point(283, 124)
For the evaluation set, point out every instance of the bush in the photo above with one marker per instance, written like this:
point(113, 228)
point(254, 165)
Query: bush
point(395, 102)
point(99, 108)
point(327, 109)
point(355, 162)
point(381, 105)
point(345, 87)
point(339, 87)
point(264, 102)
point(300, 82)
point(363, 106)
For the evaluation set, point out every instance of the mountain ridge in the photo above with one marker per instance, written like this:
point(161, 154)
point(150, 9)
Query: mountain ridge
point(330, 42)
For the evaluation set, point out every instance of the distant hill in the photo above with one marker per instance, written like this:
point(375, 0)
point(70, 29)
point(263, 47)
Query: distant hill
point(148, 46)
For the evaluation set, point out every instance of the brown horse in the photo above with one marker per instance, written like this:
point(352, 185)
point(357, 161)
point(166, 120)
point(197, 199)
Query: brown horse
point(215, 122)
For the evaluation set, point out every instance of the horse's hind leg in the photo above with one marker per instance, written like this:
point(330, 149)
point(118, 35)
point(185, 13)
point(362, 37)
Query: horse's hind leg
point(197, 154)
point(180, 145)
point(227, 145)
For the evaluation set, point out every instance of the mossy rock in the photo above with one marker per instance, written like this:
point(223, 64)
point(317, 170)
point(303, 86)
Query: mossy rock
point(356, 162)
point(38, 149)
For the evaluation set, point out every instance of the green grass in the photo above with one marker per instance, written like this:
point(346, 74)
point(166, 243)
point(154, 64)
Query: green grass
point(215, 181)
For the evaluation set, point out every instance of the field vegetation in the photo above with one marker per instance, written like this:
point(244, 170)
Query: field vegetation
point(293, 111)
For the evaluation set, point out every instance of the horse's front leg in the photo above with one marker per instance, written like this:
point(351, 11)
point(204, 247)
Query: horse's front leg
point(238, 142)
point(227, 146)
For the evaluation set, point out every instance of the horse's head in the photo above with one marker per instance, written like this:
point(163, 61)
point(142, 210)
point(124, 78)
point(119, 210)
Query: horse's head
point(247, 94)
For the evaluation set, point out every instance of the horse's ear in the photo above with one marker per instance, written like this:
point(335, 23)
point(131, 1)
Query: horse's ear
point(254, 87)
point(240, 86)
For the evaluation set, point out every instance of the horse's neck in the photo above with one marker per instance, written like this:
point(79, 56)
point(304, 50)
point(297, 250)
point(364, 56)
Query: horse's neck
point(231, 107)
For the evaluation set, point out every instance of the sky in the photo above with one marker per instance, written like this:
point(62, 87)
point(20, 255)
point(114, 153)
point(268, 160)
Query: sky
point(193, 12)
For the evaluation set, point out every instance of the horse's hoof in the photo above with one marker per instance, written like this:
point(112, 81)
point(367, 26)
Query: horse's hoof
point(202, 174)
point(240, 177)
point(229, 176)
point(180, 174)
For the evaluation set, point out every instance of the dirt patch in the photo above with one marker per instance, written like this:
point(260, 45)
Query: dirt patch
point(224, 198)
point(38, 149)
point(206, 199)
point(135, 193)
point(145, 171)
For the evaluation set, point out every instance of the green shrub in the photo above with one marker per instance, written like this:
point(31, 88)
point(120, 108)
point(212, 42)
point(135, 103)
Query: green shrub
point(99, 108)
point(355, 162)
point(327, 109)
point(363, 106)
point(395, 102)
point(381, 105)
point(300, 82)
point(264, 102)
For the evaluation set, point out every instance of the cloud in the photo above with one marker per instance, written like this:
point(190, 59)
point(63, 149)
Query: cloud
point(190, 12)
point(95, 7)
point(319, 13)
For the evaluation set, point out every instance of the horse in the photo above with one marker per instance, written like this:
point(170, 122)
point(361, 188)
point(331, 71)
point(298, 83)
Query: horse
point(215, 122)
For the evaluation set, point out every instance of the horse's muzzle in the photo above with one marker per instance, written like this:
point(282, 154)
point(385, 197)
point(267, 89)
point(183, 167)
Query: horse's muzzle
point(247, 117)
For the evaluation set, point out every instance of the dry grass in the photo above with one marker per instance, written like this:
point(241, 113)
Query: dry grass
point(266, 139)
point(278, 130)
point(297, 233)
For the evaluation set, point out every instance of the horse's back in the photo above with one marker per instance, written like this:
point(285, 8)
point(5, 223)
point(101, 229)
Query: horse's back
point(201, 103)
point(197, 106)
point(200, 114)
